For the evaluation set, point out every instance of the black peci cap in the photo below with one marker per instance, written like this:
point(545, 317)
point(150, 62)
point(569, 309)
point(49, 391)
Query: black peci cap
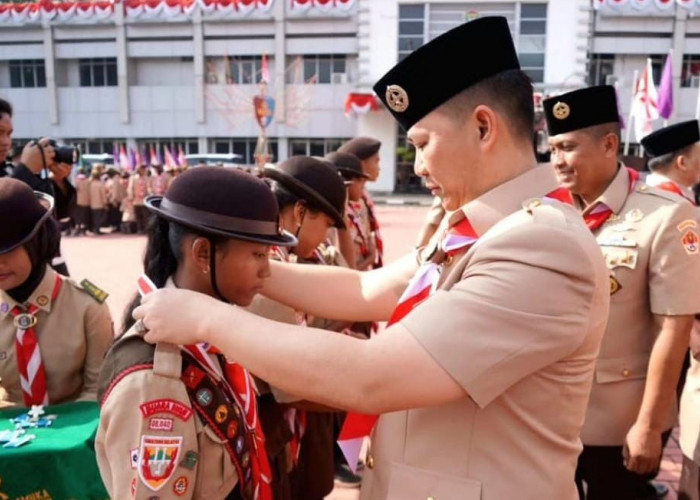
point(442, 68)
point(672, 138)
point(581, 109)
point(224, 202)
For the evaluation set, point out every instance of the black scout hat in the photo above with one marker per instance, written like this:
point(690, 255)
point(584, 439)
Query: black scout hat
point(224, 202)
point(672, 138)
point(430, 75)
point(348, 165)
point(581, 109)
point(362, 147)
point(316, 181)
point(22, 212)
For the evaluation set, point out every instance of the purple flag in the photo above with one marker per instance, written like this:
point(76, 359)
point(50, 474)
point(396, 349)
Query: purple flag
point(132, 159)
point(115, 154)
point(160, 157)
point(665, 103)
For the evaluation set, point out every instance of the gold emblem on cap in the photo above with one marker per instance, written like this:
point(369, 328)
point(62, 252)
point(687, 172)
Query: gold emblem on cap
point(561, 110)
point(396, 98)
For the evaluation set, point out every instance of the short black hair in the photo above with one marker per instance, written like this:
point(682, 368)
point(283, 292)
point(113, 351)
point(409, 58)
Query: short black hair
point(663, 162)
point(509, 92)
point(5, 108)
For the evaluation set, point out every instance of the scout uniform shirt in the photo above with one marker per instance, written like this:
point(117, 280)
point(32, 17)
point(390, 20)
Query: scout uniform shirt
point(82, 189)
point(98, 194)
point(663, 183)
point(690, 412)
point(74, 331)
point(517, 321)
point(650, 244)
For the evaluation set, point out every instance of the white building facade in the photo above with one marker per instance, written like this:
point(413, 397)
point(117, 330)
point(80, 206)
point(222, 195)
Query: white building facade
point(183, 73)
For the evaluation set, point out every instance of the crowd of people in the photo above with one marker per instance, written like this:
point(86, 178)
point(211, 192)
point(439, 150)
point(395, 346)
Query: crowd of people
point(541, 341)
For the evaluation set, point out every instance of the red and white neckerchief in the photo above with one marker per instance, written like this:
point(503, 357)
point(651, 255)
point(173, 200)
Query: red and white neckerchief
point(238, 383)
point(601, 212)
point(455, 240)
point(374, 227)
point(141, 187)
point(159, 185)
point(666, 184)
point(29, 363)
point(355, 216)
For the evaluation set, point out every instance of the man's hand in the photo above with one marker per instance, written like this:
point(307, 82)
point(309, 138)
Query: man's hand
point(642, 450)
point(32, 156)
point(60, 171)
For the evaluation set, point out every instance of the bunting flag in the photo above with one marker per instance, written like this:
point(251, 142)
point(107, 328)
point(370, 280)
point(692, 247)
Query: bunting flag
point(153, 157)
point(265, 73)
point(357, 104)
point(181, 157)
point(123, 158)
point(169, 160)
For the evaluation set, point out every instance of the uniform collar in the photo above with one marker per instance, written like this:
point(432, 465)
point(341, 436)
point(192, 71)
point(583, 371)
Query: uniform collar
point(41, 297)
point(614, 196)
point(505, 199)
point(655, 179)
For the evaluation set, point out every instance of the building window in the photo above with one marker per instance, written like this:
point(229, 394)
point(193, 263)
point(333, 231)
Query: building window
point(600, 67)
point(95, 146)
point(98, 72)
point(244, 146)
point(690, 74)
point(532, 39)
point(322, 69)
point(245, 70)
point(27, 73)
point(313, 147)
point(411, 28)
point(657, 68)
point(406, 179)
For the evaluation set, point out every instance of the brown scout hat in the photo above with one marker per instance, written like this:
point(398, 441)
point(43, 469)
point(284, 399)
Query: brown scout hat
point(22, 212)
point(316, 181)
point(224, 202)
point(362, 147)
point(348, 165)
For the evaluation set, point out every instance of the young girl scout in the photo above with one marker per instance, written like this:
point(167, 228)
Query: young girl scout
point(182, 422)
point(53, 332)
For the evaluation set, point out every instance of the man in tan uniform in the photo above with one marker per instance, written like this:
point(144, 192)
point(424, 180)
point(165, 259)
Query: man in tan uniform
point(674, 161)
point(650, 242)
point(689, 488)
point(483, 385)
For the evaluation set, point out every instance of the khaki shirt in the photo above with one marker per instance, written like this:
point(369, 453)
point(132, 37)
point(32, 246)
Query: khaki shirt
point(74, 332)
point(138, 189)
point(98, 195)
point(654, 273)
point(690, 413)
point(82, 190)
point(517, 322)
point(147, 402)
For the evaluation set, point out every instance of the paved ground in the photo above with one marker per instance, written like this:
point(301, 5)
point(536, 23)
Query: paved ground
point(114, 263)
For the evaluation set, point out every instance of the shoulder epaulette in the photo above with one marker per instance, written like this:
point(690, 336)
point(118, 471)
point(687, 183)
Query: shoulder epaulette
point(93, 291)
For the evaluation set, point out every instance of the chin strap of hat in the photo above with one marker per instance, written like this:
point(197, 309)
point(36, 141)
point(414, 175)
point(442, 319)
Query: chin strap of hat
point(212, 266)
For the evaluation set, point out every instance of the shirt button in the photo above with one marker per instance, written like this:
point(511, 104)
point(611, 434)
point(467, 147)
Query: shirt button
point(370, 462)
point(625, 373)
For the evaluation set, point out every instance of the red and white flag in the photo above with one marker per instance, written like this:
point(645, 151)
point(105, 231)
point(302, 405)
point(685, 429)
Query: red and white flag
point(645, 104)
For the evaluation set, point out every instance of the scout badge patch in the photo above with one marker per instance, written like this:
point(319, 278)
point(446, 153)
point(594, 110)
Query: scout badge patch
point(690, 240)
point(158, 458)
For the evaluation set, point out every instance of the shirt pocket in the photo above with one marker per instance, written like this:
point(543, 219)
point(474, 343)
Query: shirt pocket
point(409, 483)
point(216, 474)
point(630, 367)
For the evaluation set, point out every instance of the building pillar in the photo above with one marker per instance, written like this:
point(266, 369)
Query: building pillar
point(280, 64)
point(678, 46)
point(50, 69)
point(122, 64)
point(198, 59)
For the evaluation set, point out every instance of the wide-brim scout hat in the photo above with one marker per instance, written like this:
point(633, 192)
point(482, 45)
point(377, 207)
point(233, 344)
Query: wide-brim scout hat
point(315, 181)
point(348, 165)
point(429, 76)
point(581, 109)
point(672, 138)
point(362, 147)
point(22, 212)
point(223, 202)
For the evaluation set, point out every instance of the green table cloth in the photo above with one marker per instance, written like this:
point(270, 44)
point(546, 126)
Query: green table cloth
point(60, 463)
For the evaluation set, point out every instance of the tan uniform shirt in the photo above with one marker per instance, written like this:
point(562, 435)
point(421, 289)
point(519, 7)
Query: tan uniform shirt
point(139, 188)
point(690, 413)
point(116, 191)
point(74, 332)
point(517, 322)
point(98, 195)
point(145, 407)
point(82, 190)
point(653, 272)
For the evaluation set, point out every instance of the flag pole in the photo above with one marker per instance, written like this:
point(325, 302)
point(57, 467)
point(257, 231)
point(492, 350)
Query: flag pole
point(628, 132)
point(697, 105)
